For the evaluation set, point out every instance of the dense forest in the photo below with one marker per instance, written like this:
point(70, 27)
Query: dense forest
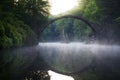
point(21, 22)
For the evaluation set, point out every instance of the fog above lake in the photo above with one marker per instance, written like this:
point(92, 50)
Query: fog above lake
point(75, 56)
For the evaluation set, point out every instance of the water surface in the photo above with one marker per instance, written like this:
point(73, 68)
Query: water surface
point(76, 56)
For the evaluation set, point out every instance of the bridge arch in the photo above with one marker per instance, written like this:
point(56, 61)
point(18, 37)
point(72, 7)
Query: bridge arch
point(90, 24)
point(74, 17)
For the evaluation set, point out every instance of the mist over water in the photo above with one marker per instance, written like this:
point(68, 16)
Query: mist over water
point(75, 56)
point(66, 57)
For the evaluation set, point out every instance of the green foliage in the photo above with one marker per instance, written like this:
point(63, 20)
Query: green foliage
point(118, 20)
point(81, 30)
point(11, 34)
point(51, 33)
point(33, 12)
point(5, 42)
point(87, 75)
point(98, 10)
point(20, 20)
point(110, 7)
point(91, 11)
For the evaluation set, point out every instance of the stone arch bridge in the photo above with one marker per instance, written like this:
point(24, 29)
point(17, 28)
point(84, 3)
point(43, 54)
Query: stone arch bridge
point(15, 62)
point(107, 30)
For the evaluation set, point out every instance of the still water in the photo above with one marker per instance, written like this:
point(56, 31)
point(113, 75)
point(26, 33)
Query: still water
point(65, 58)
point(76, 56)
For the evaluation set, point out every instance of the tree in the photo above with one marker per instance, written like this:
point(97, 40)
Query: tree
point(18, 18)
point(20, 23)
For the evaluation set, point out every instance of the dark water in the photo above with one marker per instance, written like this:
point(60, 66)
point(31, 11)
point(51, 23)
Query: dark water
point(64, 57)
